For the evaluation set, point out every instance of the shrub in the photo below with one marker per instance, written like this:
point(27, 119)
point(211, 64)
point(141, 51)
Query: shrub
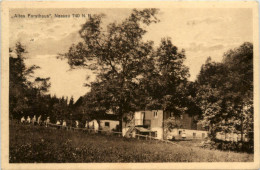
point(233, 146)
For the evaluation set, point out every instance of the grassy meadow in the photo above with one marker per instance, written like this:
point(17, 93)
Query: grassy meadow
point(29, 144)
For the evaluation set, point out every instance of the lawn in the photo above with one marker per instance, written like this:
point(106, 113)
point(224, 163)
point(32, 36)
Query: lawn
point(30, 144)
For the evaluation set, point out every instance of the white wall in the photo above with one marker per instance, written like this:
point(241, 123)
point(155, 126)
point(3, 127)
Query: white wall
point(124, 130)
point(112, 124)
point(189, 133)
point(159, 131)
point(230, 137)
point(93, 123)
point(139, 116)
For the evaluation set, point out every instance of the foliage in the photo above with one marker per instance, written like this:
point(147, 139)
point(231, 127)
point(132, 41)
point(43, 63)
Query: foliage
point(23, 91)
point(217, 144)
point(169, 74)
point(130, 73)
point(28, 95)
point(225, 92)
point(170, 124)
point(117, 54)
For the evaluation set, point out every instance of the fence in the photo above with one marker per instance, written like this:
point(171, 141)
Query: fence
point(138, 136)
point(232, 137)
point(107, 132)
point(85, 129)
point(148, 137)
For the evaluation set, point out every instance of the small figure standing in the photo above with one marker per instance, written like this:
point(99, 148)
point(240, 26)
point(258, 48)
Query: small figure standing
point(47, 121)
point(64, 124)
point(39, 120)
point(22, 120)
point(28, 119)
point(77, 124)
point(58, 123)
point(34, 120)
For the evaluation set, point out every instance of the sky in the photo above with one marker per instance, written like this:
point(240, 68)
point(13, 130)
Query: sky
point(201, 32)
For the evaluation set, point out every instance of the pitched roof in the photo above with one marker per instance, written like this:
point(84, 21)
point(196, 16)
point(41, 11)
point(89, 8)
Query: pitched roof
point(107, 117)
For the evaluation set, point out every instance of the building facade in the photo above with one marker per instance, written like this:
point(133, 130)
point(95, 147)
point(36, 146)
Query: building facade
point(151, 122)
point(145, 123)
point(109, 125)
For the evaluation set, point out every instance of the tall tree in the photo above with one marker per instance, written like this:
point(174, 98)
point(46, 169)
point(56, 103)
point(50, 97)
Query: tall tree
point(239, 62)
point(26, 92)
point(18, 82)
point(117, 53)
point(225, 92)
point(170, 74)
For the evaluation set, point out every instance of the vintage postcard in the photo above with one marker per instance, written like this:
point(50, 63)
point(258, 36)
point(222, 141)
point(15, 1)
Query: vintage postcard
point(130, 85)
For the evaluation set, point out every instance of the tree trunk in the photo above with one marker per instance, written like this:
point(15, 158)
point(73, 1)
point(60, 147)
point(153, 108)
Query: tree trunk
point(242, 130)
point(98, 121)
point(120, 124)
point(212, 132)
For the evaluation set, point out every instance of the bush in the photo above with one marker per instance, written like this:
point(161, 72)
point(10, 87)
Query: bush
point(232, 146)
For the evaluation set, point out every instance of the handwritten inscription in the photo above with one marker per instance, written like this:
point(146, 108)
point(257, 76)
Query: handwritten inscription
point(51, 16)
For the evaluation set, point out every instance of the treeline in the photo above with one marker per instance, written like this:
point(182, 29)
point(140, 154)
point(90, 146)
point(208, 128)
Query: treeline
point(224, 93)
point(28, 95)
point(132, 75)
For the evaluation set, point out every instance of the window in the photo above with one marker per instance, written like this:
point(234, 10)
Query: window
point(155, 114)
point(107, 124)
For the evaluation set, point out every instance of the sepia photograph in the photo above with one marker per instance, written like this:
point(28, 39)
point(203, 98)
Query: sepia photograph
point(130, 84)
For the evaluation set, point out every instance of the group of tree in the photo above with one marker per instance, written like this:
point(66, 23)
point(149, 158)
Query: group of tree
point(132, 74)
point(28, 95)
point(225, 93)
